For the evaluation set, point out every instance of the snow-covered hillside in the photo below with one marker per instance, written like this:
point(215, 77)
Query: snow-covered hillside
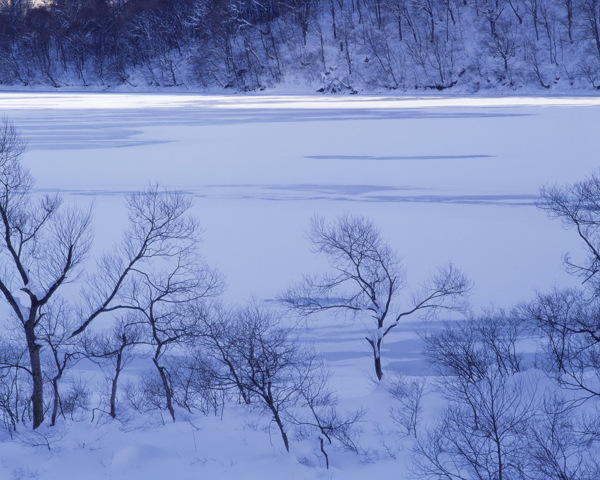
point(326, 46)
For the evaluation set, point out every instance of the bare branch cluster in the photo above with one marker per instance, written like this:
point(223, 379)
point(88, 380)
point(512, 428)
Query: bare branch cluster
point(252, 352)
point(502, 420)
point(368, 280)
point(577, 206)
point(151, 273)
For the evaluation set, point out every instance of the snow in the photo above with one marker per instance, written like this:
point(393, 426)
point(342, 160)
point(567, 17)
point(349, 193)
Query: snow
point(22, 308)
point(445, 178)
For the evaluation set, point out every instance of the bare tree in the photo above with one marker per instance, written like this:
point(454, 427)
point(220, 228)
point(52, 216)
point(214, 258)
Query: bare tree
point(369, 280)
point(169, 327)
point(318, 413)
point(468, 349)
point(569, 323)
point(251, 351)
point(577, 206)
point(161, 231)
point(559, 448)
point(483, 433)
point(43, 243)
point(163, 273)
point(54, 331)
point(483, 436)
point(42, 246)
point(569, 319)
point(112, 350)
point(268, 363)
point(502, 421)
point(15, 387)
point(408, 394)
point(194, 384)
point(219, 334)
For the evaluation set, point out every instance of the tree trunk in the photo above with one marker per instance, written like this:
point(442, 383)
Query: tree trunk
point(114, 384)
point(333, 20)
point(569, 5)
point(167, 389)
point(37, 396)
point(378, 369)
point(376, 346)
point(56, 401)
point(279, 423)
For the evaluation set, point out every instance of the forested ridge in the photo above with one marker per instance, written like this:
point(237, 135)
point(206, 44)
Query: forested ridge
point(326, 45)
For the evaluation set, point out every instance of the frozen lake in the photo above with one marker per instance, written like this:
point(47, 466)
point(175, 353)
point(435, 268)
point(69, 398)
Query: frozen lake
point(446, 179)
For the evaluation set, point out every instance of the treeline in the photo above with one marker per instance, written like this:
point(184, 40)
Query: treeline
point(331, 45)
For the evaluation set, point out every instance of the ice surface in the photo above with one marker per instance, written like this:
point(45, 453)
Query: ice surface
point(447, 179)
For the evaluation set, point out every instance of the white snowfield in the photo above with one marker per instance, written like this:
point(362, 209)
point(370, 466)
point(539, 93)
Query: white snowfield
point(446, 179)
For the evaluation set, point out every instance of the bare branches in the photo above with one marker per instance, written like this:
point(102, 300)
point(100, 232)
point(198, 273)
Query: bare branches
point(503, 421)
point(483, 435)
point(69, 239)
point(445, 290)
point(250, 350)
point(43, 244)
point(473, 349)
point(159, 250)
point(570, 319)
point(13, 176)
point(262, 360)
point(571, 326)
point(366, 271)
point(578, 207)
point(483, 432)
point(368, 279)
point(111, 350)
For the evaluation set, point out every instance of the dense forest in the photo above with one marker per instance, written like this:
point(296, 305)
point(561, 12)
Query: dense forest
point(327, 45)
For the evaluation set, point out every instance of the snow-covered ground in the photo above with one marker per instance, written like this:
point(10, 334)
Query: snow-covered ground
point(445, 178)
